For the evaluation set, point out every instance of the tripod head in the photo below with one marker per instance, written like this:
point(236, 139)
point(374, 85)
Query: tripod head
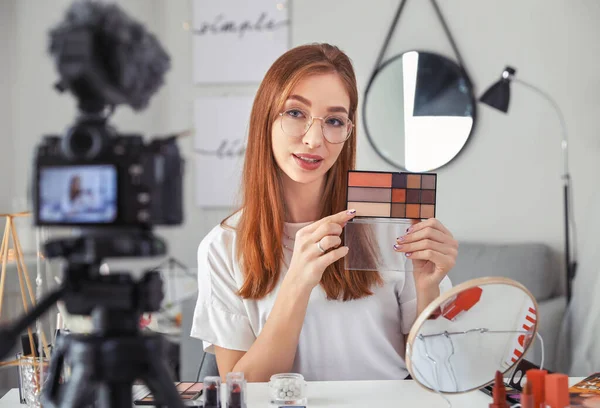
point(88, 292)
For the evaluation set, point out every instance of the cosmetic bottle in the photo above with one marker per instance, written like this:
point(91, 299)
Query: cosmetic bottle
point(236, 390)
point(557, 391)
point(537, 379)
point(287, 390)
point(212, 392)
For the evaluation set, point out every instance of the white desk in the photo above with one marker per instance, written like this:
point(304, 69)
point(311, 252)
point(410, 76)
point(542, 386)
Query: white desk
point(347, 394)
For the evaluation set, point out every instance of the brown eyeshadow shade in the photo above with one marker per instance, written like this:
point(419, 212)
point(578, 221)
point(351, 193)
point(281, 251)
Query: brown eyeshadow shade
point(412, 211)
point(413, 181)
point(378, 195)
point(427, 211)
point(399, 195)
point(399, 180)
point(428, 181)
point(363, 179)
point(428, 196)
point(399, 210)
point(413, 196)
point(370, 209)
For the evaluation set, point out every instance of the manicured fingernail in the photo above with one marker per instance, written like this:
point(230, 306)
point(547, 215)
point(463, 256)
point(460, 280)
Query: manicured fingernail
point(409, 229)
point(400, 239)
point(350, 212)
point(408, 254)
point(397, 247)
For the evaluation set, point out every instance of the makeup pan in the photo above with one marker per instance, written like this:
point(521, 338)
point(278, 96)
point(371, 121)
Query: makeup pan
point(392, 194)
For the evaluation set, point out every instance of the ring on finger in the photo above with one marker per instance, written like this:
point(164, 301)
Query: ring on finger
point(320, 247)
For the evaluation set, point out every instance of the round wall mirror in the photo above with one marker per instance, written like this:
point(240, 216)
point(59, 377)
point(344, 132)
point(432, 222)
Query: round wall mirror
point(419, 111)
point(463, 337)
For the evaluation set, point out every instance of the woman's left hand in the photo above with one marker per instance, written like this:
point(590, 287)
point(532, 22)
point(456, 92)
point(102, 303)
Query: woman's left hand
point(433, 251)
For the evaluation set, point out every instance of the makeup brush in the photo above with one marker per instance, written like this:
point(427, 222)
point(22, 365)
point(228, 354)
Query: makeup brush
point(499, 392)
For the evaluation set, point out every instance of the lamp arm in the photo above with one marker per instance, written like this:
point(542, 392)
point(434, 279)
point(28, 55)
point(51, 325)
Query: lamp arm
point(571, 232)
point(563, 125)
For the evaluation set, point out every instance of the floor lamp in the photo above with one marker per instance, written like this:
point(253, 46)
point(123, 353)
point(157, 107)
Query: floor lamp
point(498, 96)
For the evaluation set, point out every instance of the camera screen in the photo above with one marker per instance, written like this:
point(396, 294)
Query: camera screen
point(85, 194)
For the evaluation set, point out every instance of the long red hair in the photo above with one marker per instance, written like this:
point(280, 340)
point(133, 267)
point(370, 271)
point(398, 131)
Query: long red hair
point(260, 250)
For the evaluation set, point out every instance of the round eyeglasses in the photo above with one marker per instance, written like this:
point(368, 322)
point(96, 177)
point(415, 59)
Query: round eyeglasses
point(336, 128)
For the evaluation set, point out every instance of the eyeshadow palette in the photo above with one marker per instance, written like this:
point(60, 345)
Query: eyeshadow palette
point(392, 194)
point(189, 392)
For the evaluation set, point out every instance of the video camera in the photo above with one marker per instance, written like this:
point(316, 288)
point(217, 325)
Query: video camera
point(93, 175)
point(113, 188)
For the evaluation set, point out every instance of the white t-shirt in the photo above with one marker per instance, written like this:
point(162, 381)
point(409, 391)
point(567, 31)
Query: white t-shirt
point(361, 339)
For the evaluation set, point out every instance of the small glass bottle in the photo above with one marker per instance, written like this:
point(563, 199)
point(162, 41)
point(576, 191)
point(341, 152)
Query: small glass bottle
point(212, 392)
point(236, 390)
point(287, 389)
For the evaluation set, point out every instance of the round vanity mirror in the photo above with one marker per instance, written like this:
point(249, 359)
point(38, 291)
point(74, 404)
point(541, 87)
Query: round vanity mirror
point(419, 111)
point(468, 333)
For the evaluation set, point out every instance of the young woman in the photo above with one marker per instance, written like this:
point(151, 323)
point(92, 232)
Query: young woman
point(77, 200)
point(273, 293)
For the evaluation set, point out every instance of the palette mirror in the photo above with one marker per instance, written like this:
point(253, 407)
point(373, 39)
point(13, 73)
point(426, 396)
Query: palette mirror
point(419, 111)
point(469, 332)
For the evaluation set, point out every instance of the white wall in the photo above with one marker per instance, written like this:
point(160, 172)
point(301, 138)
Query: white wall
point(505, 186)
point(7, 12)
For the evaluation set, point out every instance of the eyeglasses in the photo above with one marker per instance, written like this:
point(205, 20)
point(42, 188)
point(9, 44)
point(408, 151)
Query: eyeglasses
point(336, 128)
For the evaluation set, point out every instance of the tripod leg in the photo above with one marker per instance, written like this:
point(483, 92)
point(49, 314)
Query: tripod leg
point(160, 383)
point(78, 391)
point(4, 255)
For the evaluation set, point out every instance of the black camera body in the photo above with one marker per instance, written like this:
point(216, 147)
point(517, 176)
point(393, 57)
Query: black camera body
point(94, 176)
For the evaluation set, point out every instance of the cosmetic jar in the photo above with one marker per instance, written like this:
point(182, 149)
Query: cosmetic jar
point(287, 389)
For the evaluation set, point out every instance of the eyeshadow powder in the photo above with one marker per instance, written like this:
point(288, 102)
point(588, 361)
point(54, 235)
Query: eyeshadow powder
point(392, 195)
point(368, 179)
point(428, 182)
point(371, 209)
point(413, 181)
point(412, 211)
point(399, 180)
point(413, 196)
point(428, 196)
point(427, 211)
point(399, 195)
point(399, 210)
point(381, 195)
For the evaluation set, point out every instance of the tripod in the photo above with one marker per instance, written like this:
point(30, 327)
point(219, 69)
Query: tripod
point(104, 364)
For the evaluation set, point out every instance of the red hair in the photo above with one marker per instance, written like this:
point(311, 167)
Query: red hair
point(260, 250)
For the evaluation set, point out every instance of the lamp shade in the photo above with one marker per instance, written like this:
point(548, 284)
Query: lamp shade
point(498, 95)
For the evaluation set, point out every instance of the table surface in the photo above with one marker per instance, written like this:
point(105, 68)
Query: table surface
point(334, 394)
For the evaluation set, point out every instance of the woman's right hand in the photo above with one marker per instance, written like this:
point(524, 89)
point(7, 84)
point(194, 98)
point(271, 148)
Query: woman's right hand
point(308, 260)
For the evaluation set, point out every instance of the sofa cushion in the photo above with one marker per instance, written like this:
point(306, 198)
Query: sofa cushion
point(530, 264)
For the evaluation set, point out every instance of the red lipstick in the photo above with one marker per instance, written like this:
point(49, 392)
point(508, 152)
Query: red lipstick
point(499, 392)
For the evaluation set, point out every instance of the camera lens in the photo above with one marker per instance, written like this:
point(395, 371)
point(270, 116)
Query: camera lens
point(82, 142)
